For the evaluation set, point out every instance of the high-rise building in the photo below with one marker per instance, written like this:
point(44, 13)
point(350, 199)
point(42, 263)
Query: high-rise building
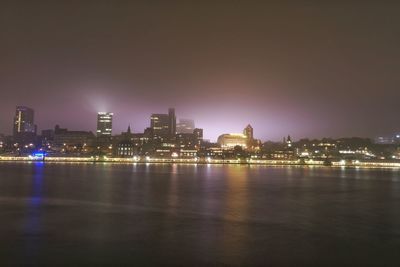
point(24, 129)
point(23, 120)
point(185, 126)
point(172, 122)
point(104, 123)
point(164, 125)
point(289, 141)
point(159, 123)
point(198, 133)
point(248, 132)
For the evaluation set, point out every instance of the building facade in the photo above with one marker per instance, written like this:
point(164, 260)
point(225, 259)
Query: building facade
point(229, 141)
point(172, 122)
point(159, 123)
point(163, 125)
point(185, 126)
point(24, 129)
point(104, 124)
point(248, 132)
point(125, 149)
point(71, 140)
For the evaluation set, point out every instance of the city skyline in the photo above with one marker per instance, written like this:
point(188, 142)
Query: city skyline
point(311, 70)
point(199, 133)
point(218, 131)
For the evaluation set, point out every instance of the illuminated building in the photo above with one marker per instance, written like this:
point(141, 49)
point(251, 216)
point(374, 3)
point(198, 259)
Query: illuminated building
point(289, 141)
point(189, 140)
point(159, 123)
point(228, 141)
point(382, 140)
point(283, 154)
point(252, 144)
point(361, 153)
point(71, 140)
point(388, 140)
point(125, 149)
point(248, 132)
point(186, 140)
point(214, 152)
point(2, 142)
point(104, 123)
point(188, 153)
point(185, 126)
point(130, 143)
point(24, 129)
point(163, 125)
point(23, 120)
point(198, 132)
point(164, 153)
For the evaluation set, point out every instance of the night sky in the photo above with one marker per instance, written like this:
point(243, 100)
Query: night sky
point(302, 68)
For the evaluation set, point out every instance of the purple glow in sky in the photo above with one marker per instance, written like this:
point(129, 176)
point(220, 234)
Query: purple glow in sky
point(305, 69)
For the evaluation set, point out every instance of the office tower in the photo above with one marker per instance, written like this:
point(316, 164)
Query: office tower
point(159, 123)
point(248, 132)
point(104, 123)
point(24, 130)
point(163, 125)
point(172, 122)
point(185, 126)
point(23, 120)
point(198, 133)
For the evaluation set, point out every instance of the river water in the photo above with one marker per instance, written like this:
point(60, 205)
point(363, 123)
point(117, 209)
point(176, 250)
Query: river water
point(188, 215)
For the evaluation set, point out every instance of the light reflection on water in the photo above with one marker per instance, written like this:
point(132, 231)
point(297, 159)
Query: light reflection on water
point(198, 214)
point(32, 222)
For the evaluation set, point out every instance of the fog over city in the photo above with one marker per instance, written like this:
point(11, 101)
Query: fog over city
point(309, 70)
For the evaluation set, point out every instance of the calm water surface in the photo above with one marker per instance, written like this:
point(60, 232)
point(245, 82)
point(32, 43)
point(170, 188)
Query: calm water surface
point(88, 214)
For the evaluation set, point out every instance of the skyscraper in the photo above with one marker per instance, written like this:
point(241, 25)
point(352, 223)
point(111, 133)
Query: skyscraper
point(185, 126)
point(198, 133)
point(164, 125)
point(24, 129)
point(248, 132)
point(159, 124)
point(172, 122)
point(23, 120)
point(104, 123)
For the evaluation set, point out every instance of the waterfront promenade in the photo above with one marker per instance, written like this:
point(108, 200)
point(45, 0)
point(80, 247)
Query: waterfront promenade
point(268, 162)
